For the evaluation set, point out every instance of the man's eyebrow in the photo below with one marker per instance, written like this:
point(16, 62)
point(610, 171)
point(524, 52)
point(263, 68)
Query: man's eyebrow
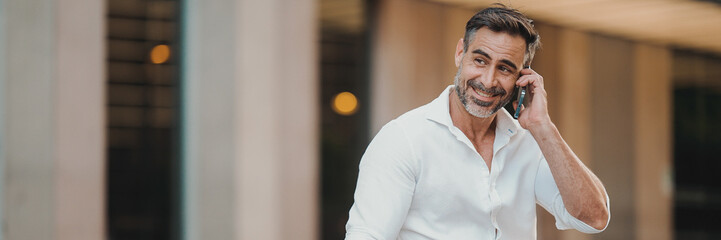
point(506, 61)
point(479, 51)
point(509, 63)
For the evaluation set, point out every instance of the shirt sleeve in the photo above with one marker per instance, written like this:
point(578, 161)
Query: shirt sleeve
point(386, 182)
point(549, 197)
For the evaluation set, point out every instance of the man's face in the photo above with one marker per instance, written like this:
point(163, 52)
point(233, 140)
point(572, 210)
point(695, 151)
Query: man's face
point(488, 70)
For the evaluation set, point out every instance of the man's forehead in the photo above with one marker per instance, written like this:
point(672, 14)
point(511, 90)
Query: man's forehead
point(498, 44)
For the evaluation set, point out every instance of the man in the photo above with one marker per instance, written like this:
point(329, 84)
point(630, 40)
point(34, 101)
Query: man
point(461, 167)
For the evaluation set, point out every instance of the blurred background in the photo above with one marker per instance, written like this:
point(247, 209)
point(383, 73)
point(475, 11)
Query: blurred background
point(242, 119)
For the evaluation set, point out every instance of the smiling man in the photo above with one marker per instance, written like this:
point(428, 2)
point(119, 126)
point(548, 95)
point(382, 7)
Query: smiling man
point(461, 167)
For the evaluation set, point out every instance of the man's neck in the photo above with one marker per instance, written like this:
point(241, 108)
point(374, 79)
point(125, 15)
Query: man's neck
point(473, 127)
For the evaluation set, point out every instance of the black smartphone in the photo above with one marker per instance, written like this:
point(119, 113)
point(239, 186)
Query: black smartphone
point(521, 97)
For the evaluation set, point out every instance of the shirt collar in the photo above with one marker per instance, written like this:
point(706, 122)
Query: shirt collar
point(439, 111)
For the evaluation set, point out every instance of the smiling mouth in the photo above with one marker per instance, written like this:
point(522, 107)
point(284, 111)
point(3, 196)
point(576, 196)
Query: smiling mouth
point(483, 93)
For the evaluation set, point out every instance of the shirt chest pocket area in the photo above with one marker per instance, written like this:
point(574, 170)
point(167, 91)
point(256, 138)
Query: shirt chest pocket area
point(450, 185)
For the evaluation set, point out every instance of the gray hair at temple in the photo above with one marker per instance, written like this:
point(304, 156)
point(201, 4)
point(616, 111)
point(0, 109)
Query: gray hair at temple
point(499, 18)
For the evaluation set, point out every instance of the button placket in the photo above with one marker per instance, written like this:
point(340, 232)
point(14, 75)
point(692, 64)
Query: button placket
point(493, 193)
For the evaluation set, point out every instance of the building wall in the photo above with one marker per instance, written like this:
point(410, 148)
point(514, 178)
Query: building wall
point(612, 128)
point(52, 137)
point(250, 120)
point(653, 142)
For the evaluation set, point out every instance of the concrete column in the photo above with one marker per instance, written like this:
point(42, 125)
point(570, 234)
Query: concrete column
point(250, 134)
point(208, 111)
point(652, 138)
point(612, 130)
point(52, 118)
point(575, 101)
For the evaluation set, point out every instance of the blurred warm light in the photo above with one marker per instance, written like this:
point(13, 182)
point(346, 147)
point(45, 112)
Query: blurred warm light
point(160, 54)
point(345, 103)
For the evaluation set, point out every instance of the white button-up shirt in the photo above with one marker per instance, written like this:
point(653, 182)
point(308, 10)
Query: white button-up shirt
point(421, 178)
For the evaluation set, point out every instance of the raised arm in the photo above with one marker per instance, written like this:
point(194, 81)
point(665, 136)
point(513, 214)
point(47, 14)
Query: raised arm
point(583, 193)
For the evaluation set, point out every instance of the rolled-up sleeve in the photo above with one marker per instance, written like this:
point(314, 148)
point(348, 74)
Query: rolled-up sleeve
point(549, 197)
point(386, 182)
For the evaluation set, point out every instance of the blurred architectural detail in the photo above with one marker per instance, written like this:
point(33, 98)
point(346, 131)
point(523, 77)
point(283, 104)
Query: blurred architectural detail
point(344, 52)
point(52, 117)
point(346, 16)
point(689, 24)
point(250, 120)
point(142, 110)
point(697, 137)
point(653, 137)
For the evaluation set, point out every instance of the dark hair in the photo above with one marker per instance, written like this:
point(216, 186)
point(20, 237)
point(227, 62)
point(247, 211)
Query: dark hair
point(499, 18)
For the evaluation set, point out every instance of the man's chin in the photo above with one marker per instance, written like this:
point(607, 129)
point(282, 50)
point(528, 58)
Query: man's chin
point(481, 112)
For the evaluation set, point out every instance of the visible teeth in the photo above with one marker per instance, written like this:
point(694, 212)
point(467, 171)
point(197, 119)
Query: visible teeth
point(483, 94)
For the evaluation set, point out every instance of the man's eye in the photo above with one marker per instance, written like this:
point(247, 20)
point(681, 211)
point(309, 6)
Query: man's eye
point(504, 69)
point(480, 61)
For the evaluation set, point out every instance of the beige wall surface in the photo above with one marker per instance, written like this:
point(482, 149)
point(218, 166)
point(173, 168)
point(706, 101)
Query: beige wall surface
point(80, 120)
point(52, 119)
point(412, 57)
point(653, 137)
point(250, 120)
point(612, 130)
point(29, 131)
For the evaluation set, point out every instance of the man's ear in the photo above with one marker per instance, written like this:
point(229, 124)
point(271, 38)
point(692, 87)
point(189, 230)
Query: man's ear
point(459, 52)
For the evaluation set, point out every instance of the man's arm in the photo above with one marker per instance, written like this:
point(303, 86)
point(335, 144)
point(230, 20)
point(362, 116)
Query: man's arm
point(583, 193)
point(386, 182)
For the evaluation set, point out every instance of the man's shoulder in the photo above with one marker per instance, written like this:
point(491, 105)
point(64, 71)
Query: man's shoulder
point(414, 126)
point(422, 120)
point(414, 118)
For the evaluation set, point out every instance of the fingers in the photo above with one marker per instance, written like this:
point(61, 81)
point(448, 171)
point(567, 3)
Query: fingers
point(528, 71)
point(530, 77)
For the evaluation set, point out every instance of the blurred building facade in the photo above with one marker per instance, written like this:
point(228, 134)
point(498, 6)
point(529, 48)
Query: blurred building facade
point(219, 119)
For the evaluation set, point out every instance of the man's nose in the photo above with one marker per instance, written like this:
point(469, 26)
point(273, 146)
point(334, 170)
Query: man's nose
point(489, 78)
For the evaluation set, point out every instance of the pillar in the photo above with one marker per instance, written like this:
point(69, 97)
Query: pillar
point(250, 120)
point(52, 118)
point(652, 138)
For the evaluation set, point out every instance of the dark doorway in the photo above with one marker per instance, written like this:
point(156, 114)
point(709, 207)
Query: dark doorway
point(142, 87)
point(344, 107)
point(697, 138)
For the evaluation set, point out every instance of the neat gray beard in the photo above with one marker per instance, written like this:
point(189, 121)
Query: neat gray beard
point(480, 113)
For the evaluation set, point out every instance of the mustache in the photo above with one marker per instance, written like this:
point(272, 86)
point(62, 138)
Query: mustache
point(493, 90)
